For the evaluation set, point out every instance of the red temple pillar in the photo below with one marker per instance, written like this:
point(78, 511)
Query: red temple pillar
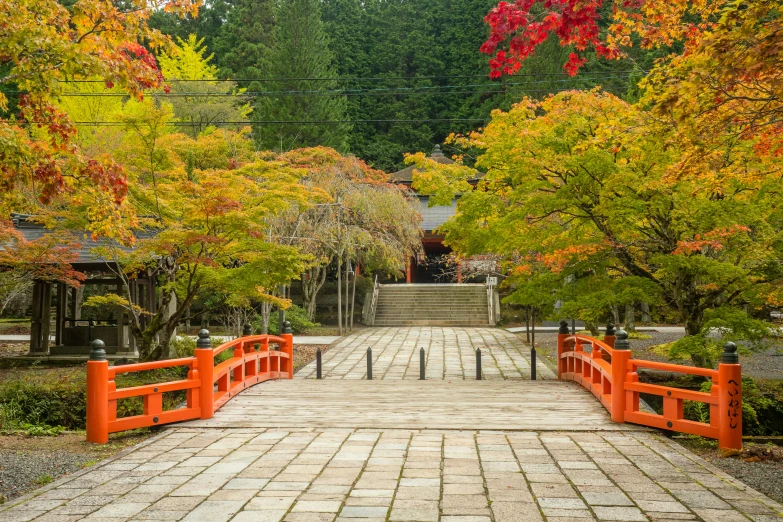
point(409, 271)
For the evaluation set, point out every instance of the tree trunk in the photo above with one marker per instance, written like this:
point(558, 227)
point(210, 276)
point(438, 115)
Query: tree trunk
point(645, 308)
point(339, 295)
point(347, 282)
point(312, 282)
point(630, 324)
point(353, 299)
point(266, 311)
point(615, 315)
point(527, 323)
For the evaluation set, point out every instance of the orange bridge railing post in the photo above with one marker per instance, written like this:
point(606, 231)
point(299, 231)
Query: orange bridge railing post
point(287, 334)
point(206, 368)
point(562, 335)
point(620, 357)
point(730, 399)
point(97, 394)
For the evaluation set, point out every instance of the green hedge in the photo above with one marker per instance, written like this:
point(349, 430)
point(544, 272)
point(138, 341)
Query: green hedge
point(58, 398)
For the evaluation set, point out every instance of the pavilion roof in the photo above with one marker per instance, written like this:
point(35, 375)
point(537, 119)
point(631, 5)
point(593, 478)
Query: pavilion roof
point(32, 230)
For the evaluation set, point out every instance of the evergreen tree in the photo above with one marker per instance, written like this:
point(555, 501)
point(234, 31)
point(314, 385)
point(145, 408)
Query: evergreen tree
point(300, 49)
point(242, 44)
point(207, 25)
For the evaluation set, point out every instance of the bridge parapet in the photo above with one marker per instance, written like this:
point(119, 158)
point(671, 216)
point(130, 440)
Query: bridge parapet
point(208, 385)
point(610, 373)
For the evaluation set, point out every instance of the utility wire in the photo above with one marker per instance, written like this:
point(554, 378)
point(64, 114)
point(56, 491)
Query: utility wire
point(270, 122)
point(376, 78)
point(401, 91)
point(341, 92)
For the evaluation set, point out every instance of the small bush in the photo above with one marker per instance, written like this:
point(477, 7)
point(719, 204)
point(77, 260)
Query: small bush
point(43, 403)
point(296, 315)
point(762, 407)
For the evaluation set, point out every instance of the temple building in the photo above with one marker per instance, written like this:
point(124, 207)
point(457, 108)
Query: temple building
point(430, 265)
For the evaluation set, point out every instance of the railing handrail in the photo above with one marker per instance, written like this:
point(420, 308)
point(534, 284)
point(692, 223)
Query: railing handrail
point(490, 305)
point(677, 368)
point(245, 368)
point(253, 339)
point(615, 383)
point(147, 366)
point(376, 290)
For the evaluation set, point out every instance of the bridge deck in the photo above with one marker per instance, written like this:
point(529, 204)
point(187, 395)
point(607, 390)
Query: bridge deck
point(495, 405)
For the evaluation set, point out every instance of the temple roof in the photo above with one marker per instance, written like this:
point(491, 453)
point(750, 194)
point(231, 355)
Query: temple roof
point(405, 176)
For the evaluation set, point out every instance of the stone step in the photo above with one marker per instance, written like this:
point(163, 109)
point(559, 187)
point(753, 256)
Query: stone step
point(431, 322)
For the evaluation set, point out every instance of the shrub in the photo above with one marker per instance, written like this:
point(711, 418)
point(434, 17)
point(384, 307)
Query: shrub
point(45, 401)
point(762, 407)
point(296, 315)
point(42, 402)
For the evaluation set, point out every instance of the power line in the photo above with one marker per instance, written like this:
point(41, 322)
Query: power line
point(272, 122)
point(400, 91)
point(376, 78)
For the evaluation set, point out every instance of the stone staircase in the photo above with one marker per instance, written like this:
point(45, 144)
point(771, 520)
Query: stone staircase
point(432, 305)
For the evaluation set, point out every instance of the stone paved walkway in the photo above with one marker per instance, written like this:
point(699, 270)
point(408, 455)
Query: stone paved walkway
point(450, 354)
point(298, 475)
point(303, 456)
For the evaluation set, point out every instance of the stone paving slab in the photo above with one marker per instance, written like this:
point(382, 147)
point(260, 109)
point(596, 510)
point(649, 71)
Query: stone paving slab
point(334, 474)
point(450, 354)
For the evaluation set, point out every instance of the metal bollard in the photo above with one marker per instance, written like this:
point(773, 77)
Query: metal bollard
point(421, 364)
point(478, 364)
point(533, 363)
point(369, 364)
point(318, 364)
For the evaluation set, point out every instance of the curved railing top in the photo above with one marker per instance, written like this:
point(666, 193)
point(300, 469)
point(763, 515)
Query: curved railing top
point(585, 339)
point(243, 341)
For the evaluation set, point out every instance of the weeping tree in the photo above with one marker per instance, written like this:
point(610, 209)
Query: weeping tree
point(364, 220)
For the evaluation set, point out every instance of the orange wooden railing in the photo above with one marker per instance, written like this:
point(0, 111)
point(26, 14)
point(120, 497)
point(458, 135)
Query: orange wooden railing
point(610, 373)
point(209, 386)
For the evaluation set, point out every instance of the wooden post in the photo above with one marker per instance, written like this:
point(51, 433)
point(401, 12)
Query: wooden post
point(289, 347)
point(620, 358)
point(730, 399)
point(98, 394)
point(46, 317)
point(562, 335)
point(62, 300)
point(120, 314)
point(35, 320)
point(206, 370)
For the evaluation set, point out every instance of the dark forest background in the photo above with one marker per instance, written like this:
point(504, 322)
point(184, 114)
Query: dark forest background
point(412, 67)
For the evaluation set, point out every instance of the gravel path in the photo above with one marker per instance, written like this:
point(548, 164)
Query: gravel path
point(765, 476)
point(27, 463)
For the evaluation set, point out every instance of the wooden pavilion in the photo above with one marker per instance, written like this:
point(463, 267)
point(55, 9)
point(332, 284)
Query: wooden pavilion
point(59, 324)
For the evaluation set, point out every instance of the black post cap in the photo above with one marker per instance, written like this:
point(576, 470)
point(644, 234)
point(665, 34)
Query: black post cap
point(203, 340)
point(247, 331)
point(610, 328)
point(564, 330)
point(730, 355)
point(622, 343)
point(97, 352)
point(287, 327)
